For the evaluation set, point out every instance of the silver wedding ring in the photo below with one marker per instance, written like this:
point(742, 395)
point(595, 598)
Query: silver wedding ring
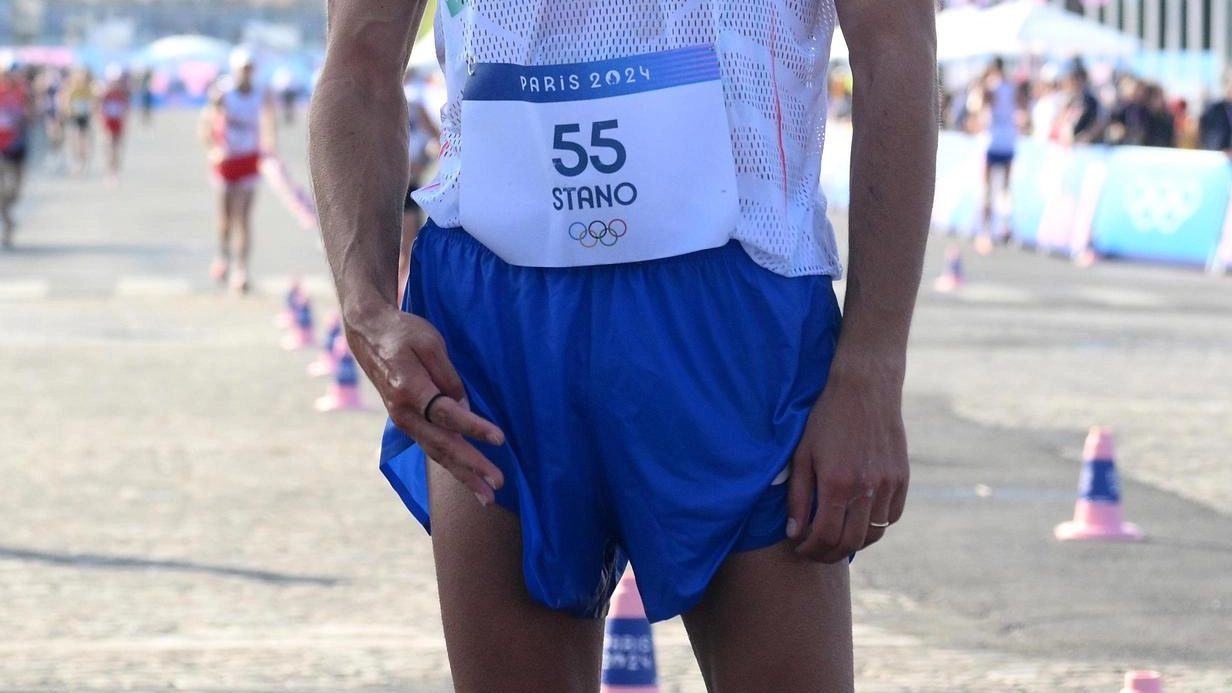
point(879, 525)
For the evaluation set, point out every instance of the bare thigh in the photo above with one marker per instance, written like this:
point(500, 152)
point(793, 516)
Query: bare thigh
point(241, 205)
point(772, 622)
point(9, 179)
point(224, 205)
point(499, 640)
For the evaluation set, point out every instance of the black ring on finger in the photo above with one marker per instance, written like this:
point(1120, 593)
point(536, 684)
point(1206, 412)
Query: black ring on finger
point(427, 412)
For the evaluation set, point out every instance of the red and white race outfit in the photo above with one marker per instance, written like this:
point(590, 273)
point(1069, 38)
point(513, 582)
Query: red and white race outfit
point(237, 131)
point(12, 117)
point(115, 109)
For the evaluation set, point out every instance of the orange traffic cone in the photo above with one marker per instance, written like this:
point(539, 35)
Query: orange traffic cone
point(1097, 515)
point(1143, 682)
point(628, 649)
point(952, 277)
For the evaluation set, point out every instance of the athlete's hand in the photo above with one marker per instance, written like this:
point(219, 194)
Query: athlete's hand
point(405, 358)
point(853, 460)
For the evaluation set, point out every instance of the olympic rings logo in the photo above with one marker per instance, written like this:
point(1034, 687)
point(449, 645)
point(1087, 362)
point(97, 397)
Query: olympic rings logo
point(1162, 206)
point(598, 232)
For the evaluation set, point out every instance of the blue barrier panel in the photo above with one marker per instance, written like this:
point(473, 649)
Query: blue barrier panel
point(959, 198)
point(1163, 204)
point(1029, 189)
point(1048, 193)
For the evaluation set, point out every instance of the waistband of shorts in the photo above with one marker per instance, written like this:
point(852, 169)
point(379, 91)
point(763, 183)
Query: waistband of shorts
point(733, 250)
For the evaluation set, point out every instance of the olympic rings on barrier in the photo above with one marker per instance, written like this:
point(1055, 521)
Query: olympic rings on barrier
point(598, 232)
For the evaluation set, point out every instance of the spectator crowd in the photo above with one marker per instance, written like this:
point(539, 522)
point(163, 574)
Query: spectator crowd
point(1064, 106)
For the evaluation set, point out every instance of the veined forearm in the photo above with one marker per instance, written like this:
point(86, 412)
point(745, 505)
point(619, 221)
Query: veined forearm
point(893, 170)
point(357, 131)
point(357, 151)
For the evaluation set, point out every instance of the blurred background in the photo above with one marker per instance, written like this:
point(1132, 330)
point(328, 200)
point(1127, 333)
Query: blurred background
point(189, 493)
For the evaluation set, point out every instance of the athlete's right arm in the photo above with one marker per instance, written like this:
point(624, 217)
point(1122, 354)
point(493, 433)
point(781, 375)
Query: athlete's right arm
point(205, 126)
point(357, 149)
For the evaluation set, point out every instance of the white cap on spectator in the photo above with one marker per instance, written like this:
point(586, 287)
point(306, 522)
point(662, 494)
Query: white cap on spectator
point(241, 58)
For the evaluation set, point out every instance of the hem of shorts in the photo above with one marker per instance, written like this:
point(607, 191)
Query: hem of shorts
point(240, 183)
point(423, 516)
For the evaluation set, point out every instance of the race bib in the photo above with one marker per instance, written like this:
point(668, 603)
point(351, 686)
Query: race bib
point(596, 163)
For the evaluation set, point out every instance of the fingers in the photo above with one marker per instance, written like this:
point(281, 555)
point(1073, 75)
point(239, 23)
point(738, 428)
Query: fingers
point(429, 348)
point(855, 529)
point(462, 460)
point(413, 389)
point(898, 502)
point(800, 493)
point(826, 530)
point(879, 514)
point(451, 415)
point(846, 513)
point(410, 359)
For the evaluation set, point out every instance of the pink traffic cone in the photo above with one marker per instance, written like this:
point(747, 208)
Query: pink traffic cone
point(1143, 682)
point(1097, 515)
point(286, 318)
point(952, 277)
point(628, 649)
point(343, 393)
point(300, 336)
point(326, 361)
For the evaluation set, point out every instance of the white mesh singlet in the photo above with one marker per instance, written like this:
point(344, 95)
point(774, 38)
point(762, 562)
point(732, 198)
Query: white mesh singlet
point(773, 57)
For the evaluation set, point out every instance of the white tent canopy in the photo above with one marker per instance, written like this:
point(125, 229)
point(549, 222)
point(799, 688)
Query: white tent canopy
point(187, 47)
point(1026, 27)
point(1018, 28)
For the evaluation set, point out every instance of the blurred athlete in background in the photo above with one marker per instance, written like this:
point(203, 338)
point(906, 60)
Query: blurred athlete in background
point(237, 127)
point(114, 105)
point(79, 103)
point(1002, 114)
point(49, 84)
point(15, 110)
point(147, 96)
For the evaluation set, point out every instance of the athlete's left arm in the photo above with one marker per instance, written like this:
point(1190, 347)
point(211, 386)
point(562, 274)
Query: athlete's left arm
point(205, 122)
point(853, 455)
point(269, 124)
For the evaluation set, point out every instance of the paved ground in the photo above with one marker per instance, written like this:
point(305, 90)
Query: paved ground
point(177, 518)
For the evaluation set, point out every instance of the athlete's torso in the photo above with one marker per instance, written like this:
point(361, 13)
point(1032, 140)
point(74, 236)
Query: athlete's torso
point(12, 114)
point(238, 130)
point(115, 103)
point(80, 100)
point(1003, 117)
point(773, 60)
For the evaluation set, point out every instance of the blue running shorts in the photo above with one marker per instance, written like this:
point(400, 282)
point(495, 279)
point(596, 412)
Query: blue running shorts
point(650, 409)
